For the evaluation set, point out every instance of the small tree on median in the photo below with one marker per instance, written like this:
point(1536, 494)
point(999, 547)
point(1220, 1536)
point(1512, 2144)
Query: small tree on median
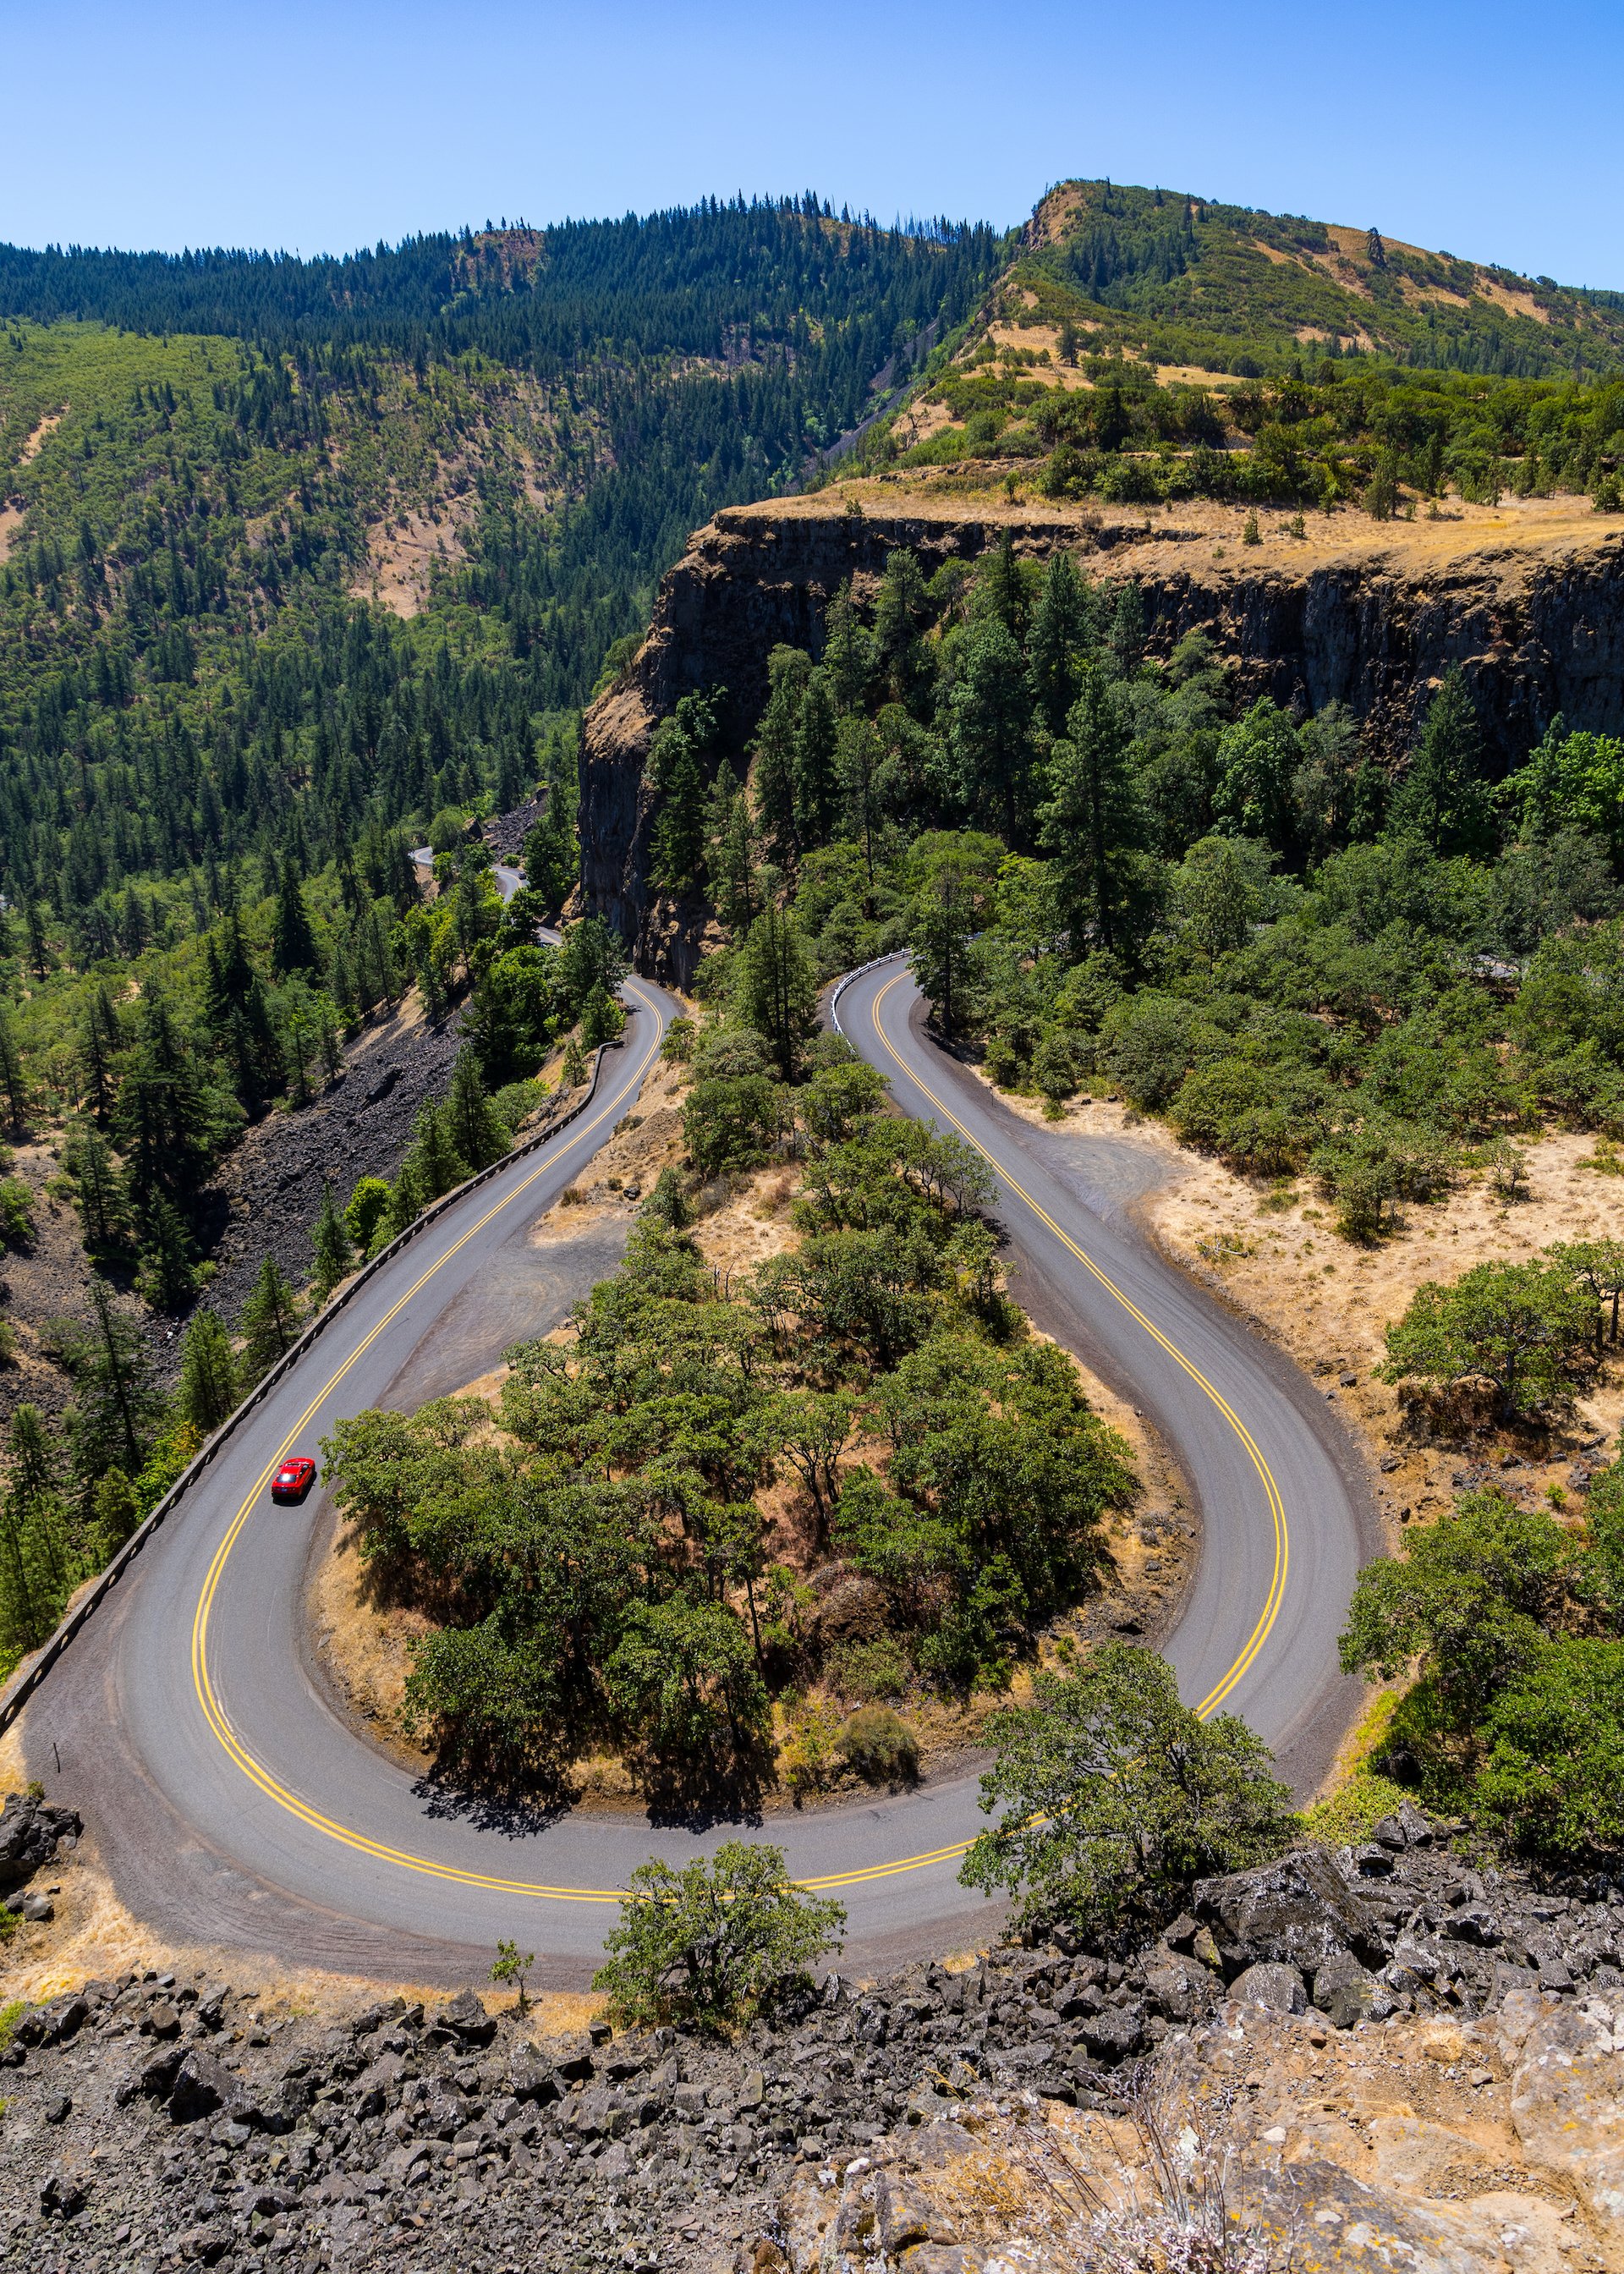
point(1524, 1328)
point(1116, 1797)
point(713, 1944)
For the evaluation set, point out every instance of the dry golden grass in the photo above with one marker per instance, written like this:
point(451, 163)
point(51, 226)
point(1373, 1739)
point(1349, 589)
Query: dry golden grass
point(1274, 1253)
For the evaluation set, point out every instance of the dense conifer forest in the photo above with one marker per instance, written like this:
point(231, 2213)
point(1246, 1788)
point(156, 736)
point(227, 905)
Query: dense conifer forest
point(302, 563)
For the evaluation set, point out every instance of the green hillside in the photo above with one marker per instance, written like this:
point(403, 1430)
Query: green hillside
point(1147, 347)
point(1184, 280)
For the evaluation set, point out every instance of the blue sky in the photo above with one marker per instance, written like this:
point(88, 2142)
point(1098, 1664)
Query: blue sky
point(1490, 130)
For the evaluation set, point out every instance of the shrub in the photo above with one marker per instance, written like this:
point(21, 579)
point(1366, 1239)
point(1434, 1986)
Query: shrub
point(730, 1122)
point(364, 1211)
point(1524, 1328)
point(880, 1746)
point(714, 1943)
point(1117, 1797)
point(16, 1213)
point(867, 1670)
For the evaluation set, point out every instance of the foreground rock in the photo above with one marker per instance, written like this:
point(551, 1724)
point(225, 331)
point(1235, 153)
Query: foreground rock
point(1399, 2046)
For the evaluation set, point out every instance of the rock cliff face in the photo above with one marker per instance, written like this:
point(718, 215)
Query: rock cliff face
point(1533, 612)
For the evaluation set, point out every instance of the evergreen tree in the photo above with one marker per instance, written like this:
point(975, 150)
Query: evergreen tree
point(101, 1200)
point(270, 1324)
point(168, 1276)
point(472, 1122)
point(1127, 634)
point(1093, 825)
point(293, 939)
point(848, 650)
point(207, 1391)
point(902, 610)
point(102, 1038)
point(115, 1514)
point(38, 1569)
point(1059, 644)
point(438, 1167)
point(116, 1402)
point(13, 1086)
point(788, 669)
point(677, 841)
point(1442, 795)
point(331, 1242)
point(1005, 591)
point(239, 1017)
point(816, 779)
point(952, 893)
point(777, 982)
point(990, 722)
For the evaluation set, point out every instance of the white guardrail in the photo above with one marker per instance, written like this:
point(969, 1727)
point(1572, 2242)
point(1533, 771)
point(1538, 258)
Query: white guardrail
point(846, 979)
point(29, 1676)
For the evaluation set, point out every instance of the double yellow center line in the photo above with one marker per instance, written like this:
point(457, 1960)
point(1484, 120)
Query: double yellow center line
point(424, 1867)
point(1277, 1584)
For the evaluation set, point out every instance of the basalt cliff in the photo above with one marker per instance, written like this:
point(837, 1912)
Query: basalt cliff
point(1526, 599)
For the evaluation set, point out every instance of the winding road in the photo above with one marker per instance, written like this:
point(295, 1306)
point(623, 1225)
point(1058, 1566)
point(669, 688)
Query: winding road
point(233, 1801)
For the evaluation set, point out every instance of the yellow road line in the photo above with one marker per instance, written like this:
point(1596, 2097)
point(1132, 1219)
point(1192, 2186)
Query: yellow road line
point(422, 1866)
point(1271, 1608)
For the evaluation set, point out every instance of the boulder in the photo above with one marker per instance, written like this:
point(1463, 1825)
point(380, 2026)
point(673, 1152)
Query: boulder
point(1295, 1912)
point(53, 2023)
point(1345, 1992)
point(203, 2083)
point(30, 1831)
point(1567, 2091)
point(1270, 1984)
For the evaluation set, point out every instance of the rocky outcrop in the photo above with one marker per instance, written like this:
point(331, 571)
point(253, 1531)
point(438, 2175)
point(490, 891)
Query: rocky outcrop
point(1469, 2088)
point(1536, 628)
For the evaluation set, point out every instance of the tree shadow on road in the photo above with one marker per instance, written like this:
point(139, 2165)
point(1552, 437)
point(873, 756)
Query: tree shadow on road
point(513, 1815)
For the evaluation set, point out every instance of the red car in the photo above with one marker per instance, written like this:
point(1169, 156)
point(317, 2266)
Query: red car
point(294, 1479)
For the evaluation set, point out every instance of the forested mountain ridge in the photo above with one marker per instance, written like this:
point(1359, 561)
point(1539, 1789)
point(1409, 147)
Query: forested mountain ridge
point(1147, 347)
point(1190, 280)
point(300, 564)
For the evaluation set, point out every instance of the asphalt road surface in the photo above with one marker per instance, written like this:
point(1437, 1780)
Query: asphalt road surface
point(233, 1801)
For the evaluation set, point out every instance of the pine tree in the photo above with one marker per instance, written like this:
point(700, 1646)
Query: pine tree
point(331, 1243)
point(990, 724)
point(788, 669)
point(101, 1037)
point(778, 987)
point(1093, 825)
point(167, 1276)
point(1442, 794)
point(901, 613)
point(115, 1514)
point(1060, 641)
point(13, 1086)
point(438, 1166)
point(101, 1200)
point(1127, 635)
point(848, 650)
point(293, 940)
point(116, 1402)
point(474, 1129)
point(270, 1324)
point(815, 775)
point(207, 1391)
point(1006, 593)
